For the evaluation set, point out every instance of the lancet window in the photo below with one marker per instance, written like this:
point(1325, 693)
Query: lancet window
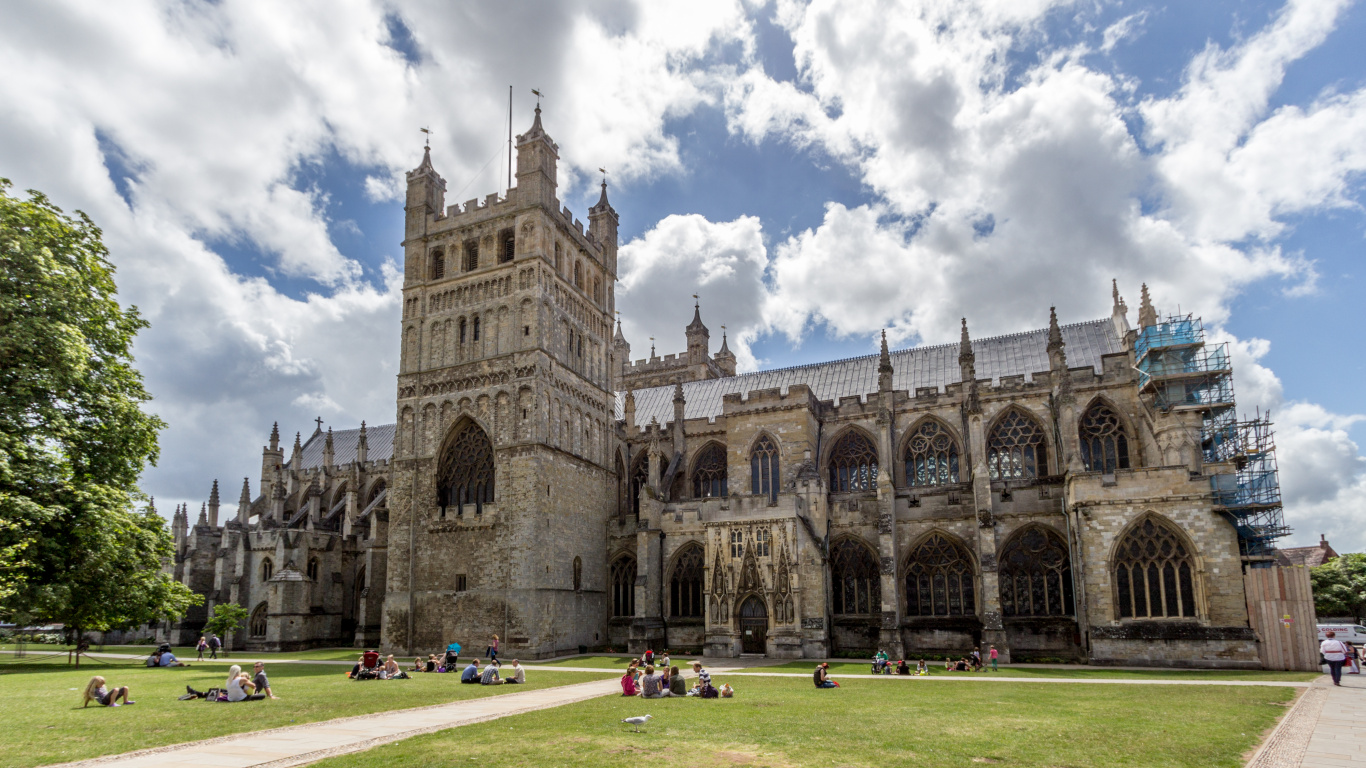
point(709, 473)
point(1016, 448)
point(931, 456)
point(509, 249)
point(763, 469)
point(623, 581)
point(940, 580)
point(257, 624)
point(471, 255)
point(1154, 575)
point(853, 464)
point(685, 584)
point(438, 265)
point(267, 569)
point(1104, 446)
point(855, 579)
point(465, 473)
point(1036, 575)
point(640, 477)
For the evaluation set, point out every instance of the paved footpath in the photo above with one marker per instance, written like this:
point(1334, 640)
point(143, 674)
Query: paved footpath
point(1325, 729)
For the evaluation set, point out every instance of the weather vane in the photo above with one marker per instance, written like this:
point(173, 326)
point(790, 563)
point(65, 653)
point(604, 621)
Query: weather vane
point(427, 131)
point(538, 96)
point(695, 302)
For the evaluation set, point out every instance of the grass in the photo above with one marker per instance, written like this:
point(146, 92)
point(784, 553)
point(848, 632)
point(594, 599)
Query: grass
point(601, 662)
point(190, 654)
point(44, 721)
point(781, 722)
point(1078, 672)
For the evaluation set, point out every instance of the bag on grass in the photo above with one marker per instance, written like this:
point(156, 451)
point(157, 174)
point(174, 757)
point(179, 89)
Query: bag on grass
point(727, 691)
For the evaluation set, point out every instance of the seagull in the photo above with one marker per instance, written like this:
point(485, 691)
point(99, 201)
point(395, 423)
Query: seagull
point(637, 721)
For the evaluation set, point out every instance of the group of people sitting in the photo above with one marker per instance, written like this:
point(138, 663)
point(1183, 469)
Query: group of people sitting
point(162, 657)
point(369, 667)
point(446, 662)
point(492, 674)
point(239, 687)
point(642, 680)
point(884, 666)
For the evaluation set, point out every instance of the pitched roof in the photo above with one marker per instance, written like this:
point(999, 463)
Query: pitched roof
point(1309, 556)
point(934, 366)
point(379, 440)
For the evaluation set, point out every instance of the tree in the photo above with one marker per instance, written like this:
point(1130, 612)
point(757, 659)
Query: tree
point(227, 617)
point(1340, 587)
point(73, 436)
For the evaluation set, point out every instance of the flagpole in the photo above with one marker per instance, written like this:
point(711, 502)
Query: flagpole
point(509, 137)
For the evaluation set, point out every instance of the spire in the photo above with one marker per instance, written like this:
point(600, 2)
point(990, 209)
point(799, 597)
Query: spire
point(244, 500)
point(296, 459)
point(965, 354)
point(213, 504)
point(884, 366)
point(619, 337)
point(602, 205)
point(275, 436)
point(699, 338)
point(536, 129)
point(362, 446)
point(152, 504)
point(1057, 354)
point(203, 515)
point(696, 324)
point(327, 449)
point(1114, 293)
point(426, 165)
point(678, 392)
point(725, 349)
point(1147, 315)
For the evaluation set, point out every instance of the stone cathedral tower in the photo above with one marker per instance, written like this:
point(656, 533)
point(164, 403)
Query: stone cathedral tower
point(502, 473)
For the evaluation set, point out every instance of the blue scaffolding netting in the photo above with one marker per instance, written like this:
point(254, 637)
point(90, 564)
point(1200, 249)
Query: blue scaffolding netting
point(1179, 371)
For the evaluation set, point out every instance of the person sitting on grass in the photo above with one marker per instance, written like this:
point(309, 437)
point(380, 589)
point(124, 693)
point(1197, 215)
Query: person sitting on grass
point(518, 676)
point(902, 668)
point(677, 685)
point(262, 682)
point(419, 665)
point(471, 673)
point(434, 666)
point(961, 665)
point(490, 676)
point(240, 687)
point(628, 682)
point(96, 691)
point(664, 662)
point(653, 686)
point(920, 668)
point(822, 676)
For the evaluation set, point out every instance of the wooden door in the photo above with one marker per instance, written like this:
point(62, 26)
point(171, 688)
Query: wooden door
point(753, 625)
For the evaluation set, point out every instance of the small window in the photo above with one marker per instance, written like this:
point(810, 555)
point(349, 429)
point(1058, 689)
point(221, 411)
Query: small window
point(462, 330)
point(476, 329)
point(580, 345)
point(761, 541)
point(461, 582)
point(737, 544)
point(526, 330)
point(267, 569)
point(471, 255)
point(557, 257)
point(438, 264)
point(509, 249)
point(313, 569)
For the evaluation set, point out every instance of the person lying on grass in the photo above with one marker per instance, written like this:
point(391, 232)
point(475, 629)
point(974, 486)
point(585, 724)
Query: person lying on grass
point(96, 691)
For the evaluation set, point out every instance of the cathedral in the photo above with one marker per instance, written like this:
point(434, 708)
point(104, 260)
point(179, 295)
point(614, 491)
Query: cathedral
point(1081, 492)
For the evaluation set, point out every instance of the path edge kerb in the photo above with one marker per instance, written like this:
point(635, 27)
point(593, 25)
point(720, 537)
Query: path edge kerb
point(1288, 741)
point(359, 746)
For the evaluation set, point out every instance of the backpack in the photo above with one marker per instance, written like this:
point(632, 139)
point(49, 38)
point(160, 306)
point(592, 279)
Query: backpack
point(710, 692)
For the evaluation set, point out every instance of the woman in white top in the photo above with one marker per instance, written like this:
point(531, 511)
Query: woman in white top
point(1335, 653)
point(240, 687)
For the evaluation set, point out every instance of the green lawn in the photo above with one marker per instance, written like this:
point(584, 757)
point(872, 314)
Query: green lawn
point(786, 722)
point(601, 662)
point(1080, 672)
point(44, 722)
point(190, 654)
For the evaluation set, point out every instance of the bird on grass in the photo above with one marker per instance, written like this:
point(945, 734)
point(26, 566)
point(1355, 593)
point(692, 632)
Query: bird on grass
point(637, 721)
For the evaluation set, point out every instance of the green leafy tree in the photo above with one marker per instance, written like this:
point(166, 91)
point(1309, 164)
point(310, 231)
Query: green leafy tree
point(227, 617)
point(73, 436)
point(1340, 587)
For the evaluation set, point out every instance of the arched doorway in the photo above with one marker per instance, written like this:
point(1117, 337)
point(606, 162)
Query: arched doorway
point(753, 625)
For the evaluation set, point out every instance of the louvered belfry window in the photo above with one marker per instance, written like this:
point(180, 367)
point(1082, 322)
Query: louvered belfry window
point(853, 464)
point(931, 456)
point(1104, 446)
point(1154, 575)
point(709, 474)
point(940, 580)
point(1036, 575)
point(465, 474)
point(1016, 448)
point(855, 579)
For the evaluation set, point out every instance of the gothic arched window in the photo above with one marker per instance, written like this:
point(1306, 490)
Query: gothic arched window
point(853, 464)
point(623, 581)
point(476, 330)
point(640, 477)
point(257, 624)
point(267, 569)
point(709, 472)
point(509, 249)
point(931, 456)
point(940, 580)
point(578, 274)
point(375, 491)
point(465, 473)
point(855, 579)
point(313, 569)
point(438, 265)
point(685, 584)
point(578, 574)
point(1154, 576)
point(1036, 575)
point(1104, 446)
point(763, 469)
point(1016, 448)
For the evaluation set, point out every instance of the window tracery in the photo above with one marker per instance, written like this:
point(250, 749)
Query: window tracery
point(465, 474)
point(763, 469)
point(709, 473)
point(685, 584)
point(257, 625)
point(1104, 446)
point(931, 456)
point(853, 464)
point(1036, 575)
point(1016, 448)
point(856, 581)
point(623, 581)
point(940, 580)
point(1154, 575)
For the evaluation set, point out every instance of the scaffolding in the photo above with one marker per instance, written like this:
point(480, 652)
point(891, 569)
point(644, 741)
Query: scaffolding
point(1181, 373)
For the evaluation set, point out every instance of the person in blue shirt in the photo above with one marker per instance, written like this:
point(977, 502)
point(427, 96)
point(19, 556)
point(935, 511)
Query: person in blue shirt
point(471, 673)
point(168, 659)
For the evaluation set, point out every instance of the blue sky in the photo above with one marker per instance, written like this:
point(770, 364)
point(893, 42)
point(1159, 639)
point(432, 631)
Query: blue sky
point(816, 172)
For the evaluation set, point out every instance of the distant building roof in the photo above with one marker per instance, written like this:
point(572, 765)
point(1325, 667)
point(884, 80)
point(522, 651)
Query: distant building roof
point(1309, 556)
point(935, 366)
point(379, 441)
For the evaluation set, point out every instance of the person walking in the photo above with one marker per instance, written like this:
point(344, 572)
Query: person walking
point(492, 652)
point(201, 646)
point(992, 656)
point(1335, 653)
point(214, 645)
